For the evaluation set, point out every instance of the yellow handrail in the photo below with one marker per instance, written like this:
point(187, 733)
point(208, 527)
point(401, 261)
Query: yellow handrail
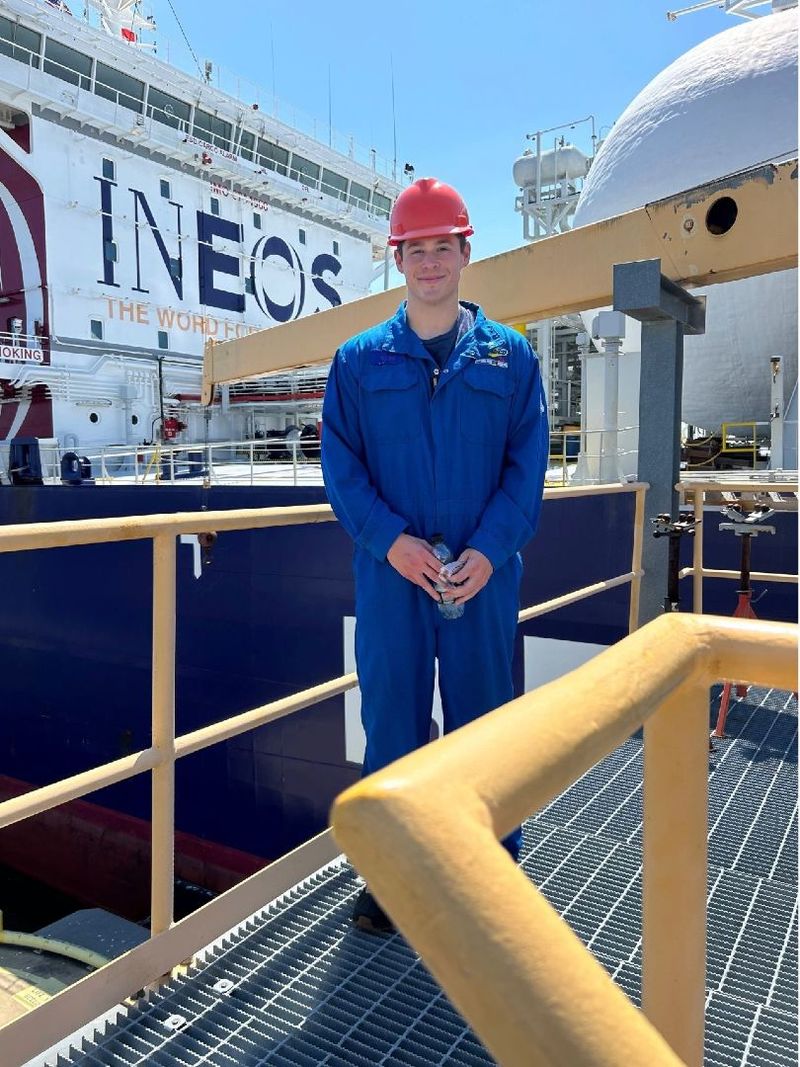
point(752, 447)
point(171, 943)
point(425, 833)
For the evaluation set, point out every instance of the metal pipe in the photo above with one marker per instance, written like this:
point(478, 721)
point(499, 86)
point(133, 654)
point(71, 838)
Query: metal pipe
point(49, 796)
point(758, 576)
point(163, 711)
point(250, 720)
point(58, 948)
point(16, 538)
point(571, 598)
point(734, 484)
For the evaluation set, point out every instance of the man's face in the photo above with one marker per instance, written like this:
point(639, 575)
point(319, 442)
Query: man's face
point(432, 267)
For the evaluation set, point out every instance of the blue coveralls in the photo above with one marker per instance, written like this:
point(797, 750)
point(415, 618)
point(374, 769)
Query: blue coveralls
point(461, 452)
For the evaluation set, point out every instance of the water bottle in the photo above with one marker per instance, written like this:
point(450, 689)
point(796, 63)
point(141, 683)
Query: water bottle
point(448, 609)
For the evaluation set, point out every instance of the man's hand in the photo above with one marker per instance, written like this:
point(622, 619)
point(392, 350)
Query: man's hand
point(472, 577)
point(412, 557)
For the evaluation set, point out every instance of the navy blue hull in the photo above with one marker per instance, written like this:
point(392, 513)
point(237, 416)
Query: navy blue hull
point(263, 621)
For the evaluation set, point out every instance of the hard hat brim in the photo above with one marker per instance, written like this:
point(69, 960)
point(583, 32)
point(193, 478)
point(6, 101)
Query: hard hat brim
point(429, 231)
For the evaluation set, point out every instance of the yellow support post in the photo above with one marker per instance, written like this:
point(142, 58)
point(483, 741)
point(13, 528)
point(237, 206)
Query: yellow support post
point(636, 558)
point(163, 788)
point(674, 871)
point(697, 553)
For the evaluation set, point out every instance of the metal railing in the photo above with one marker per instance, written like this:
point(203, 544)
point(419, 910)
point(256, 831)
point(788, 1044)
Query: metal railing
point(213, 93)
point(243, 462)
point(425, 834)
point(695, 490)
point(171, 944)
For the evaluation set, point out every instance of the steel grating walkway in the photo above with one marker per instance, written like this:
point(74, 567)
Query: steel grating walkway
point(297, 987)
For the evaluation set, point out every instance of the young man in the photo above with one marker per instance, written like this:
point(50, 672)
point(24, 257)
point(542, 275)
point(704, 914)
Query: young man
point(434, 423)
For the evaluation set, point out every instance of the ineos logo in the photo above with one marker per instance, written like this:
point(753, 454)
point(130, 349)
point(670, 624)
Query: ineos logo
point(290, 284)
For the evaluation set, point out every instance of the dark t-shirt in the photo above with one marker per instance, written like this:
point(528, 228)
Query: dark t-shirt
point(440, 347)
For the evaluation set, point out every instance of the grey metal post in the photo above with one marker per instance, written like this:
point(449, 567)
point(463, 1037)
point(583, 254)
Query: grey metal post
point(667, 312)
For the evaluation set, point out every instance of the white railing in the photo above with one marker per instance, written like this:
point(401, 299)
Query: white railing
point(222, 83)
point(253, 462)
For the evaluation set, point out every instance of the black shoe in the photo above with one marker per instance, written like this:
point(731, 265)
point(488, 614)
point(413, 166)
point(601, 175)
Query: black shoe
point(369, 915)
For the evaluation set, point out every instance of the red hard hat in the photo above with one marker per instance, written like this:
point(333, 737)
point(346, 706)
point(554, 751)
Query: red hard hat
point(428, 208)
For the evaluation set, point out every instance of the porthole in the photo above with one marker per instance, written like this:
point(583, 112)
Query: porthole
point(721, 215)
point(94, 417)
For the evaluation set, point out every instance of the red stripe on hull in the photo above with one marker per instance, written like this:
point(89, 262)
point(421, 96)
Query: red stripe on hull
point(102, 857)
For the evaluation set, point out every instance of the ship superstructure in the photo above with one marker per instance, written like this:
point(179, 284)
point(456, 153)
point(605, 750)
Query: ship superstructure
point(142, 211)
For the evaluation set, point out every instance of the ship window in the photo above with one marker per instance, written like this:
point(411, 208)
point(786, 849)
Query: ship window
point(381, 204)
point(249, 285)
point(113, 85)
point(256, 220)
point(109, 170)
point(214, 206)
point(302, 236)
point(209, 128)
point(272, 156)
point(110, 251)
point(247, 144)
point(94, 417)
point(67, 64)
point(163, 339)
point(303, 170)
point(19, 42)
point(168, 109)
point(336, 248)
point(359, 195)
point(96, 329)
point(134, 420)
point(166, 192)
point(334, 184)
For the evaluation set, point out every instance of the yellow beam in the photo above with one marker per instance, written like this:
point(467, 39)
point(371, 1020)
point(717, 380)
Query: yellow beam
point(569, 272)
point(424, 833)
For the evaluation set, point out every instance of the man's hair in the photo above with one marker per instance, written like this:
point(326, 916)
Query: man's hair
point(461, 240)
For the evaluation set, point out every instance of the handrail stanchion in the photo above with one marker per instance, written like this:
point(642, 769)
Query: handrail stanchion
point(163, 783)
point(636, 559)
point(294, 462)
point(252, 449)
point(674, 870)
point(697, 560)
point(564, 479)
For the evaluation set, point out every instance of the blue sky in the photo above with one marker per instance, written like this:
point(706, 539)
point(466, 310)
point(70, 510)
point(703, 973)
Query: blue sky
point(470, 79)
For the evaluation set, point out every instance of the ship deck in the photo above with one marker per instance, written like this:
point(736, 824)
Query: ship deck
point(296, 986)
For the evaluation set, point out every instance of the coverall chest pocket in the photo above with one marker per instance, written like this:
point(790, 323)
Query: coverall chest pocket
point(388, 402)
point(486, 403)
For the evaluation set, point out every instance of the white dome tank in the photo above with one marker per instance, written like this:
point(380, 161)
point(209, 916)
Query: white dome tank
point(726, 105)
